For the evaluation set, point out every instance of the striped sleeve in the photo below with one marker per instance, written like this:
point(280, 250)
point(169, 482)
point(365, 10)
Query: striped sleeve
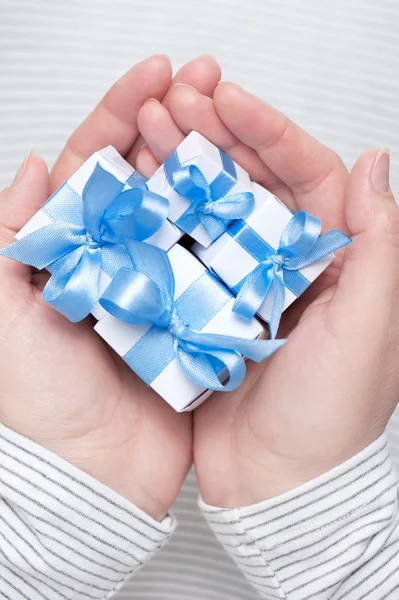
point(337, 537)
point(63, 535)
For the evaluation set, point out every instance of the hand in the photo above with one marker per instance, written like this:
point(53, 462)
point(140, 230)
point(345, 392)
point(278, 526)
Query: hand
point(331, 389)
point(60, 385)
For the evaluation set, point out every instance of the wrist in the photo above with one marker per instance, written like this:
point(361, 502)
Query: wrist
point(116, 469)
point(242, 482)
point(76, 507)
point(141, 473)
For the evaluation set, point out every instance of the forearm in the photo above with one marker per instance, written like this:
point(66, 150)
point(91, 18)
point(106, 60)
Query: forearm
point(62, 533)
point(336, 537)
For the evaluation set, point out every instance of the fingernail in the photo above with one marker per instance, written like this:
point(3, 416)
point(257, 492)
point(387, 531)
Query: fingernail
point(161, 55)
point(150, 100)
point(185, 85)
point(205, 55)
point(238, 87)
point(380, 172)
point(20, 173)
point(143, 146)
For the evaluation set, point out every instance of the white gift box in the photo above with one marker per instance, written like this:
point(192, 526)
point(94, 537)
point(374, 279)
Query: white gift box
point(196, 150)
point(227, 259)
point(171, 382)
point(110, 160)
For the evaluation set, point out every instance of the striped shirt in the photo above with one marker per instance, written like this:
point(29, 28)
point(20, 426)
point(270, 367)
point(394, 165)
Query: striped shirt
point(65, 535)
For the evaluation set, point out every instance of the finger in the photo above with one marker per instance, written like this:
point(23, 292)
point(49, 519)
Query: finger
point(193, 111)
point(160, 132)
point(146, 163)
point(114, 120)
point(163, 135)
point(18, 203)
point(203, 73)
point(315, 174)
point(368, 286)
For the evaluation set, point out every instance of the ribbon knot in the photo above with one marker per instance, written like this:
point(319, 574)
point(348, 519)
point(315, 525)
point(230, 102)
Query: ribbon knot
point(177, 326)
point(300, 245)
point(92, 243)
point(73, 246)
point(211, 204)
point(275, 260)
point(145, 295)
point(206, 207)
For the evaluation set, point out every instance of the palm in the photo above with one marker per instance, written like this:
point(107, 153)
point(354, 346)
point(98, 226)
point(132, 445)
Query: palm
point(264, 420)
point(80, 391)
point(70, 391)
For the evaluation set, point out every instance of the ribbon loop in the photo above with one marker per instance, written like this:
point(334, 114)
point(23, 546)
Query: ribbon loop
point(300, 235)
point(108, 212)
point(300, 245)
point(136, 297)
point(211, 205)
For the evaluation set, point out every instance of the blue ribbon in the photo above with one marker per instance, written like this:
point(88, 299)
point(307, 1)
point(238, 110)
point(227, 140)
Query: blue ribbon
point(210, 203)
point(146, 295)
point(300, 245)
point(88, 235)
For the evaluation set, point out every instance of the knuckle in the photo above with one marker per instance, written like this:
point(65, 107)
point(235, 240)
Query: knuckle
point(328, 173)
point(7, 234)
point(280, 133)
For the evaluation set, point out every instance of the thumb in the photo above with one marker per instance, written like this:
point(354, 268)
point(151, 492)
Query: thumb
point(369, 282)
point(18, 203)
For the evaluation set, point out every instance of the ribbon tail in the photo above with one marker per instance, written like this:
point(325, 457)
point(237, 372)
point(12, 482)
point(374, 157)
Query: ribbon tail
point(218, 370)
point(257, 350)
point(213, 225)
point(253, 291)
point(73, 287)
point(278, 294)
point(189, 220)
point(44, 246)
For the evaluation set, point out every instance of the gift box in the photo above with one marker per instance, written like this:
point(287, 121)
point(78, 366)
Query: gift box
point(271, 257)
point(205, 188)
point(113, 199)
point(173, 357)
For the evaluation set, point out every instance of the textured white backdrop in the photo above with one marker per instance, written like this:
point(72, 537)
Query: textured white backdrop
point(331, 65)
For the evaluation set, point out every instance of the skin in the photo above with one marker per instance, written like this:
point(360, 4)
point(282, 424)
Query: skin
point(331, 389)
point(59, 383)
point(322, 398)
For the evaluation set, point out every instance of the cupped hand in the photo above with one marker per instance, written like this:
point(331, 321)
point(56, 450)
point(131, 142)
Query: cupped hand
point(331, 389)
point(60, 385)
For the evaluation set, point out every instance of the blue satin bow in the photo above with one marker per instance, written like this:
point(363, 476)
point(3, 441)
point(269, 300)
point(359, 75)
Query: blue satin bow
point(146, 295)
point(300, 245)
point(86, 236)
point(210, 204)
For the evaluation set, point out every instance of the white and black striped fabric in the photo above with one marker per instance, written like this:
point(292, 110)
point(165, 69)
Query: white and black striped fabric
point(336, 537)
point(62, 533)
point(331, 66)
